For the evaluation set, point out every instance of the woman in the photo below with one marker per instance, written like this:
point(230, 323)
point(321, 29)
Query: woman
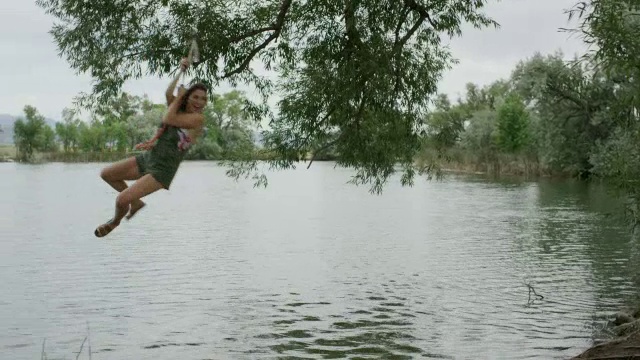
point(155, 169)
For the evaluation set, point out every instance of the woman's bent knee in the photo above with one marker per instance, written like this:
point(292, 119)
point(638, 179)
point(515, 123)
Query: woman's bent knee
point(105, 174)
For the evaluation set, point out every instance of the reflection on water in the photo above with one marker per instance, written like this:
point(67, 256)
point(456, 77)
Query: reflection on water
point(308, 268)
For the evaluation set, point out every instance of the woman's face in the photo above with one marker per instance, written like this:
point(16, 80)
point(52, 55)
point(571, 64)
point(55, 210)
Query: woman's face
point(197, 101)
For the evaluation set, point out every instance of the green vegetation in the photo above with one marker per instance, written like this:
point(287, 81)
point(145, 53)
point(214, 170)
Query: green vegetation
point(7, 152)
point(548, 118)
point(552, 117)
point(122, 122)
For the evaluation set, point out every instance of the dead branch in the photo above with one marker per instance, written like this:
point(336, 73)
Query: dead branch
point(89, 336)
point(81, 346)
point(532, 290)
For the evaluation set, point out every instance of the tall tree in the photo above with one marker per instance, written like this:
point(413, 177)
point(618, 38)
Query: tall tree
point(513, 125)
point(569, 99)
point(357, 74)
point(67, 130)
point(30, 134)
point(228, 110)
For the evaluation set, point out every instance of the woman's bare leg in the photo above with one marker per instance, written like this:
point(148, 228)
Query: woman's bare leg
point(116, 174)
point(141, 188)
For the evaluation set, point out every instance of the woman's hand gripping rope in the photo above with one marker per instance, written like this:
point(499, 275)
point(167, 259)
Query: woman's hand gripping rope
point(147, 145)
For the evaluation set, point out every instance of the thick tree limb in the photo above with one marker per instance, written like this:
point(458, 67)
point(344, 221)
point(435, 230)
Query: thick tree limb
point(276, 28)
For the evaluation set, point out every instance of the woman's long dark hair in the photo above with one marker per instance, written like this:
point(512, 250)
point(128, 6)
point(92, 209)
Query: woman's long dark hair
point(190, 90)
point(183, 107)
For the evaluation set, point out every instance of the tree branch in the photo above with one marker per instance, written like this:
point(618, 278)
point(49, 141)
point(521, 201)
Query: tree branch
point(403, 18)
point(276, 28)
point(396, 42)
point(318, 150)
point(318, 124)
point(350, 23)
point(424, 15)
point(251, 33)
point(563, 94)
point(399, 43)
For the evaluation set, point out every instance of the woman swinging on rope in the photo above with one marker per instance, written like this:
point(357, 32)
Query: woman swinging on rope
point(155, 168)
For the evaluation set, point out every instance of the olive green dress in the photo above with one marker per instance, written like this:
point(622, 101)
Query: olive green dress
point(163, 160)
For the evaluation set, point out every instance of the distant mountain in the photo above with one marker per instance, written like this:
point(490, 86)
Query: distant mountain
point(6, 125)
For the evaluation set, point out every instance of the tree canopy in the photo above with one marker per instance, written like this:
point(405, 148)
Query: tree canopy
point(356, 75)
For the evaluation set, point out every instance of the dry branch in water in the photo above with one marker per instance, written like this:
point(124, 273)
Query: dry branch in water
point(532, 290)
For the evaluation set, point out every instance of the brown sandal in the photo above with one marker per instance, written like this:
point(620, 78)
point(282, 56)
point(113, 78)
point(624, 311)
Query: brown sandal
point(104, 229)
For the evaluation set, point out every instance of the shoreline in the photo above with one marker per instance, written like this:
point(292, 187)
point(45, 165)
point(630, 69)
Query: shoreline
point(625, 343)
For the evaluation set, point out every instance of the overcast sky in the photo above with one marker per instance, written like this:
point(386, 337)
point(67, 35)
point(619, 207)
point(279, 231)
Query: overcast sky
point(33, 73)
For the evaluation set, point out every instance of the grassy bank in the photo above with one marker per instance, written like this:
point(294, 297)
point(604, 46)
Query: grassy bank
point(7, 152)
point(457, 161)
point(84, 157)
point(492, 164)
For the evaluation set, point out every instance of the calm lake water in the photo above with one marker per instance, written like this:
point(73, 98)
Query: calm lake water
point(310, 267)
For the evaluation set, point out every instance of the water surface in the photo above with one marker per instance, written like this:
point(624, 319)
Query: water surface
point(309, 267)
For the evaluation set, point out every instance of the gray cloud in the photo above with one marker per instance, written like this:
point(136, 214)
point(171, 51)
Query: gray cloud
point(34, 74)
point(526, 27)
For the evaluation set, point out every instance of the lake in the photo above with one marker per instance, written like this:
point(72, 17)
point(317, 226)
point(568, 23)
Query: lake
point(310, 267)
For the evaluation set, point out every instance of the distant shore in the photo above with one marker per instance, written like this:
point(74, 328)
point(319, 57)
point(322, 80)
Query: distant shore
point(500, 170)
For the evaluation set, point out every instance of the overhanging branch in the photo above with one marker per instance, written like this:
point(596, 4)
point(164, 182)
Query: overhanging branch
point(399, 43)
point(422, 10)
point(276, 28)
point(251, 33)
point(317, 125)
point(563, 94)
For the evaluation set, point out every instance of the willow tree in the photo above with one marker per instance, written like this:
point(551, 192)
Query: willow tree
point(356, 75)
point(611, 28)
